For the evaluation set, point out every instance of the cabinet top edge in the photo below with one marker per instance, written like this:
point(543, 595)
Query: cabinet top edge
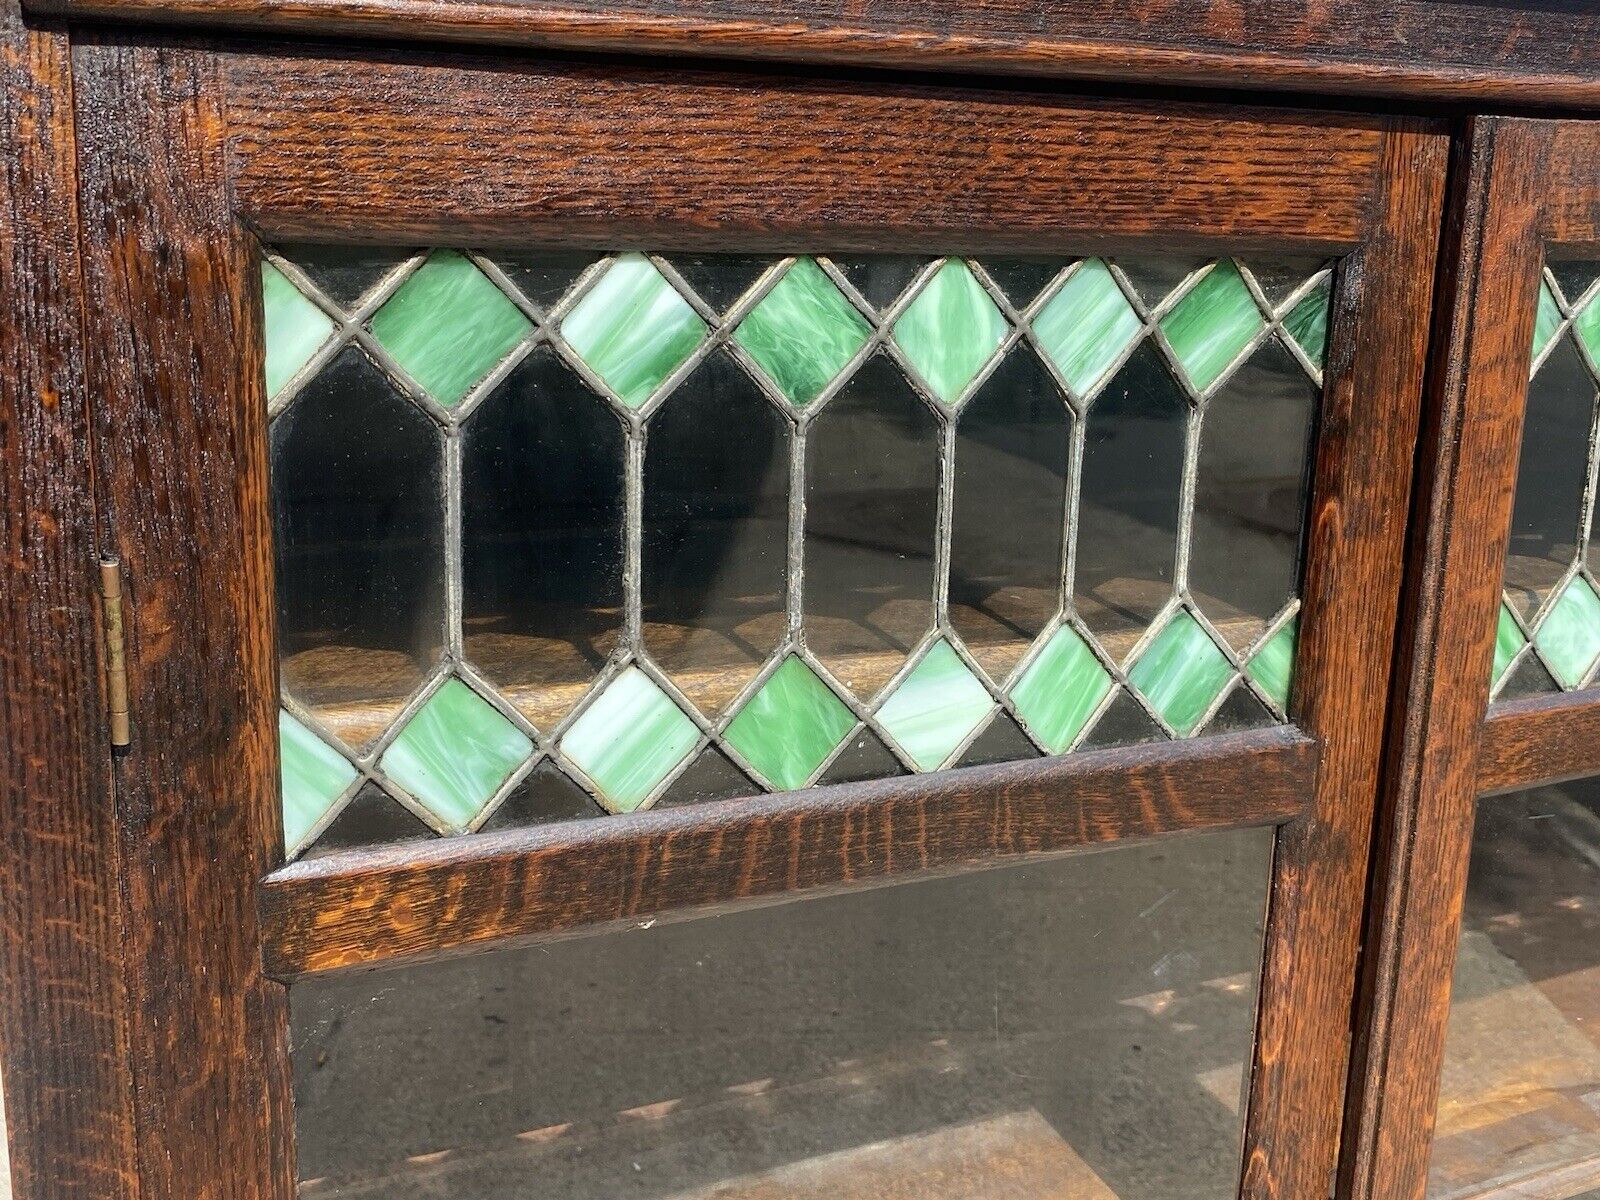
point(1502, 51)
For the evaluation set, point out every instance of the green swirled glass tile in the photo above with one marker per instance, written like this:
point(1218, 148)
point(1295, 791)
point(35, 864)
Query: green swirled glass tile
point(949, 331)
point(1060, 690)
point(935, 707)
point(447, 324)
point(313, 775)
point(1086, 325)
point(1213, 322)
point(803, 332)
point(1569, 637)
point(1182, 672)
point(792, 723)
point(454, 753)
point(1587, 325)
point(295, 327)
point(1508, 639)
point(1307, 322)
point(1546, 320)
point(632, 328)
point(1272, 666)
point(629, 739)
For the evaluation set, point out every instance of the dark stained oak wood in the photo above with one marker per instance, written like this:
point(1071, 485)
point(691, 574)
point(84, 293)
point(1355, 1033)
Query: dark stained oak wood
point(1478, 380)
point(1572, 198)
point(375, 149)
point(182, 469)
point(381, 146)
point(397, 903)
point(1497, 50)
point(1539, 740)
point(63, 1011)
point(1356, 533)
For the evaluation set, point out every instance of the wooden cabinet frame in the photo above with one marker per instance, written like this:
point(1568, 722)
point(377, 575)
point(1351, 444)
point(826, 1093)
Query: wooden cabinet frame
point(1522, 187)
point(189, 154)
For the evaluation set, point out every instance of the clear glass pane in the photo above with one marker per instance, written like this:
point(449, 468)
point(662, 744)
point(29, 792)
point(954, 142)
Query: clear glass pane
point(1079, 1028)
point(358, 516)
point(1519, 1102)
point(1547, 634)
point(564, 533)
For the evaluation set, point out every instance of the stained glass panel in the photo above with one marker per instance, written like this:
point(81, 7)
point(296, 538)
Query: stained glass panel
point(1547, 629)
point(562, 534)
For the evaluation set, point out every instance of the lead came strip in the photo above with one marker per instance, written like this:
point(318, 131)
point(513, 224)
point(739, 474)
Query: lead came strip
point(562, 535)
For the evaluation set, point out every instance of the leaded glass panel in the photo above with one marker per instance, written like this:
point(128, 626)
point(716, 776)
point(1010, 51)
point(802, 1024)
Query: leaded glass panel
point(562, 533)
point(1547, 631)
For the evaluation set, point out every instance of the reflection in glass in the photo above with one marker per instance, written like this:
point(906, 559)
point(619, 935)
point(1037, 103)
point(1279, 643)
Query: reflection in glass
point(541, 537)
point(357, 476)
point(1131, 493)
point(716, 512)
point(1012, 465)
point(1547, 630)
point(1250, 495)
point(1078, 1028)
point(872, 466)
point(1551, 473)
point(1519, 1102)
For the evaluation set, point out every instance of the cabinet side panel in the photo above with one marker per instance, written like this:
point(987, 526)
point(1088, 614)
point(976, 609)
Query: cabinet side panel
point(181, 468)
point(61, 1005)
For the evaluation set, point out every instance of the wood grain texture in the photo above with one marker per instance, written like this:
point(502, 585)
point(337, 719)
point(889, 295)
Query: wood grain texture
point(1357, 521)
point(172, 314)
point(1434, 49)
point(1478, 379)
point(373, 149)
point(62, 1007)
point(1572, 197)
point(462, 894)
point(1539, 740)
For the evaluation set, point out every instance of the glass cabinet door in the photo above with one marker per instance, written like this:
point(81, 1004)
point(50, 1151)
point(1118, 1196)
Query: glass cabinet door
point(756, 638)
point(1482, 1083)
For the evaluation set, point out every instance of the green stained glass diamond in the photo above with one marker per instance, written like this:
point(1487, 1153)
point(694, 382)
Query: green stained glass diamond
point(295, 327)
point(1272, 666)
point(1587, 326)
point(1546, 320)
point(1307, 322)
point(790, 726)
point(1569, 638)
point(1508, 640)
point(1212, 323)
point(447, 325)
point(313, 776)
point(1060, 690)
point(803, 332)
point(935, 707)
point(1182, 672)
point(950, 330)
point(629, 739)
point(1086, 325)
point(454, 753)
point(632, 328)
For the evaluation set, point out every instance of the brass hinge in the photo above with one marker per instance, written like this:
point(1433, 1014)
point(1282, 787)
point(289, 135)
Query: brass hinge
point(116, 655)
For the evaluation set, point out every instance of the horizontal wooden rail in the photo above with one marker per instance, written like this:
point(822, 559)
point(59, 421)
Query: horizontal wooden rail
point(466, 893)
point(1539, 740)
point(374, 149)
point(1423, 49)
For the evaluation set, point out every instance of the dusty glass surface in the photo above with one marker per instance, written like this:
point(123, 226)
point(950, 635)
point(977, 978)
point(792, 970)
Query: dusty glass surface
point(1078, 1028)
point(1547, 633)
point(673, 528)
point(1519, 1103)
